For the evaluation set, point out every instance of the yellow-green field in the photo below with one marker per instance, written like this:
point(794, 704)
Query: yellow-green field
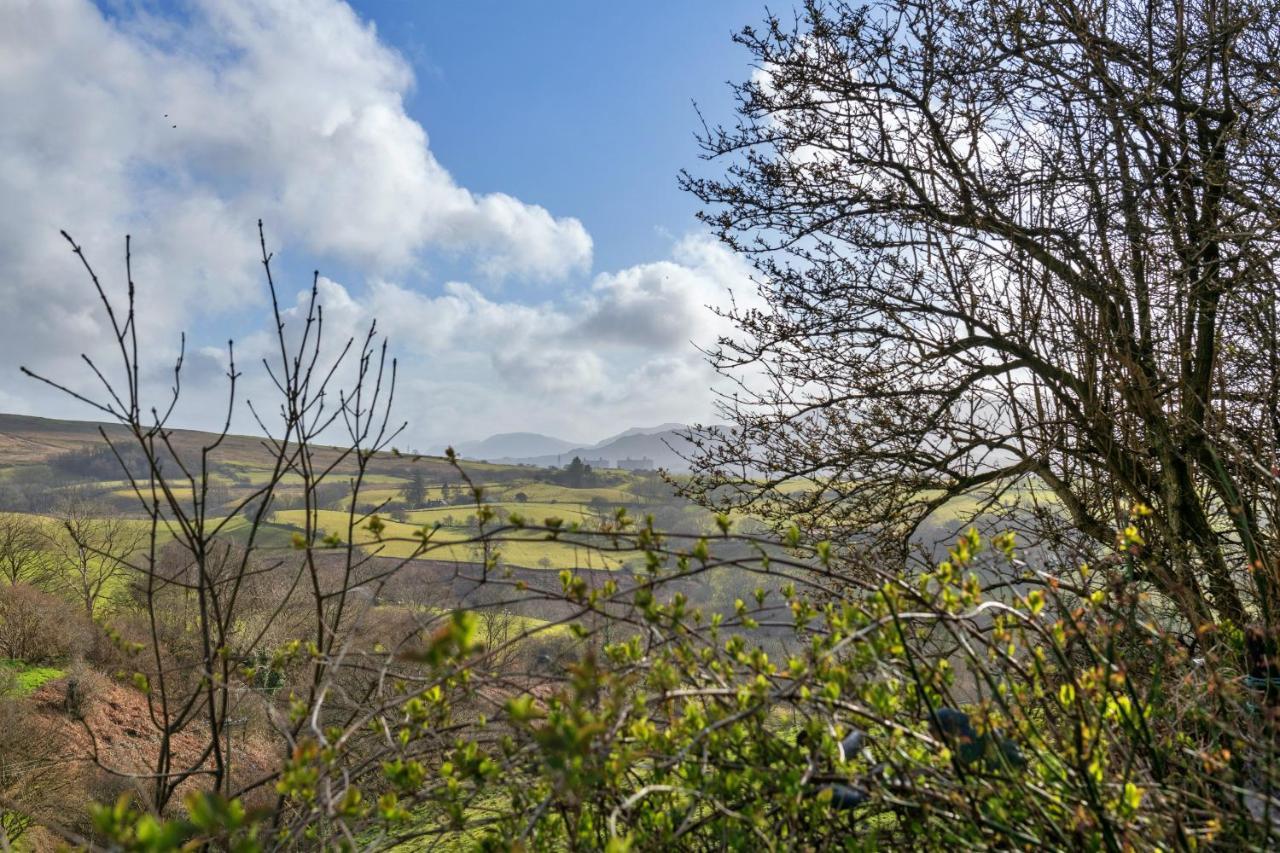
point(534, 512)
point(400, 539)
point(553, 493)
point(245, 465)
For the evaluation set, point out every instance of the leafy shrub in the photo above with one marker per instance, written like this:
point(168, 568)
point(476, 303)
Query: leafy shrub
point(697, 730)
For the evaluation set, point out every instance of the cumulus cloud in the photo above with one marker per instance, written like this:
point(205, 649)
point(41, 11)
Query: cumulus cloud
point(185, 130)
point(621, 352)
point(667, 305)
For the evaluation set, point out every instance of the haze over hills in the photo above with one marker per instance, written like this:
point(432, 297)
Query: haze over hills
point(513, 445)
point(626, 433)
point(659, 446)
point(25, 438)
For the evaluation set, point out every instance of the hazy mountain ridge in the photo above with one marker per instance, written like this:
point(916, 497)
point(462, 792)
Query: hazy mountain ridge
point(662, 445)
point(634, 431)
point(514, 445)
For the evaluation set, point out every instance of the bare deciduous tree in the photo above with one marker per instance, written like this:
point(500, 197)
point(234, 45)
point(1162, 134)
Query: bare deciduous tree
point(196, 591)
point(23, 550)
point(91, 547)
point(39, 627)
point(640, 713)
point(1011, 244)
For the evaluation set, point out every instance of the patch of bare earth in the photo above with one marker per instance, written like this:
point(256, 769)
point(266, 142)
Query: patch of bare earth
point(118, 730)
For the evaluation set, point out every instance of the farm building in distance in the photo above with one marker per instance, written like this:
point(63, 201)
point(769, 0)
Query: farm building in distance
point(644, 463)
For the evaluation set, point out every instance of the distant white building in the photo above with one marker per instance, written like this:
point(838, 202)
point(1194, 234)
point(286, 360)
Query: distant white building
point(644, 463)
point(597, 463)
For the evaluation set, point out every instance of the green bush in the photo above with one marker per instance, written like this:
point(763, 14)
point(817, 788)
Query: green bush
point(1092, 727)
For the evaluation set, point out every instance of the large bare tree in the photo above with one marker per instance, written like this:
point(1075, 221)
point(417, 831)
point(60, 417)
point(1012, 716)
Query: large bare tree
point(91, 546)
point(23, 550)
point(1011, 243)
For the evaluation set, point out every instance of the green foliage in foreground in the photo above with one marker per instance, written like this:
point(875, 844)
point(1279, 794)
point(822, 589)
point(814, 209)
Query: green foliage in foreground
point(682, 732)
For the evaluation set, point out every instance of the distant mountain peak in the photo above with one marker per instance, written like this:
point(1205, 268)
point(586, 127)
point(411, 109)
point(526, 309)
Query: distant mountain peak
point(511, 445)
point(653, 443)
point(654, 430)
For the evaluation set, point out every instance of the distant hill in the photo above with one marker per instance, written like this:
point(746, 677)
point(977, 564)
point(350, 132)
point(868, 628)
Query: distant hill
point(27, 440)
point(514, 445)
point(664, 448)
point(662, 445)
point(660, 428)
point(44, 461)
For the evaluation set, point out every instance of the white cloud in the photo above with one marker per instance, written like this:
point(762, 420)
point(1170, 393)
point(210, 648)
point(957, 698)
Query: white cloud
point(293, 111)
point(667, 305)
point(618, 354)
point(313, 104)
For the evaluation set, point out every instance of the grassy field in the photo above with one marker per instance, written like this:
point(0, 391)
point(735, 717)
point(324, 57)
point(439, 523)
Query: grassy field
point(555, 493)
point(532, 511)
point(27, 679)
point(449, 542)
point(34, 454)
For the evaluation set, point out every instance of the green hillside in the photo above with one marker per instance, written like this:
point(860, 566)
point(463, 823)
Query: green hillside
point(45, 463)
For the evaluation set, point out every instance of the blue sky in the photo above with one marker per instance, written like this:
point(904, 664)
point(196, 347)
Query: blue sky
point(584, 107)
point(587, 109)
point(495, 183)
